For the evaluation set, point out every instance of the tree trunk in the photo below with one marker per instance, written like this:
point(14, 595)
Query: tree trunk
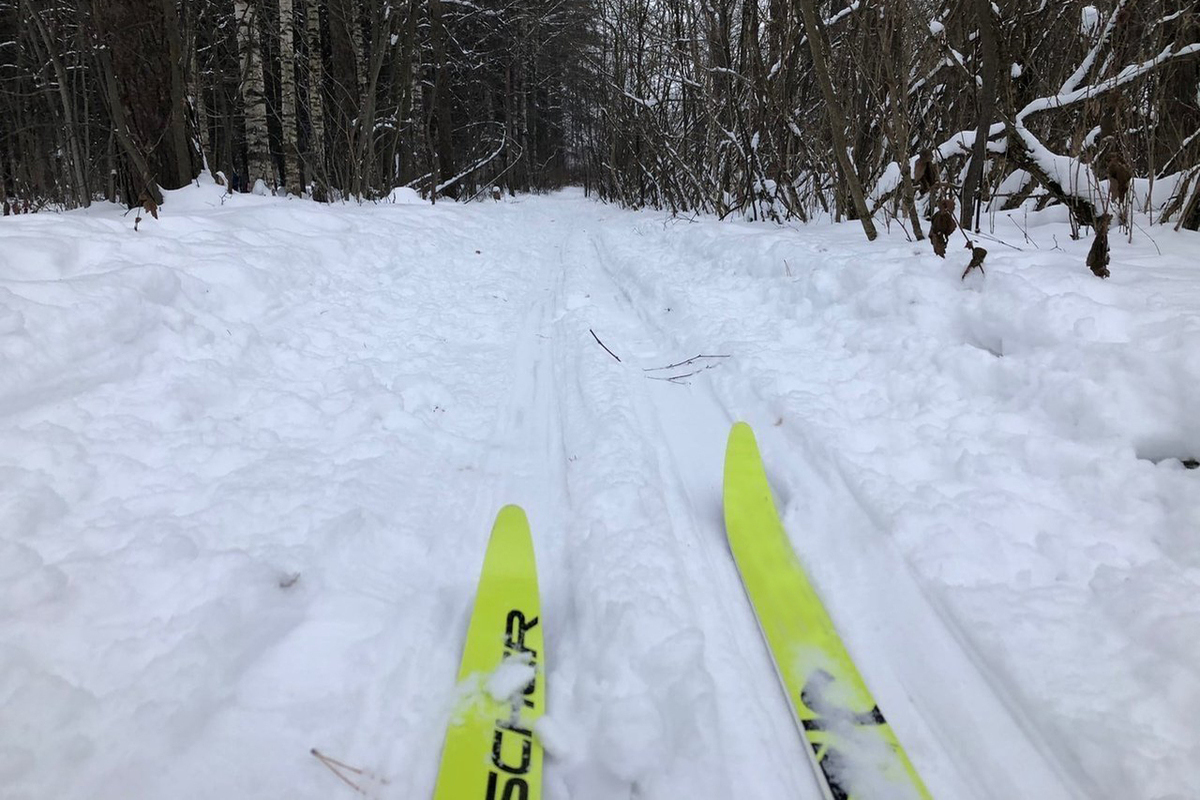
point(254, 101)
point(225, 159)
point(404, 80)
point(354, 25)
point(70, 131)
point(346, 97)
point(440, 101)
point(364, 153)
point(837, 121)
point(316, 100)
point(121, 129)
point(177, 121)
point(896, 69)
point(287, 97)
point(989, 48)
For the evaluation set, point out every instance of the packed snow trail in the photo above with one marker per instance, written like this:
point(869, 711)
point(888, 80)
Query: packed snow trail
point(251, 456)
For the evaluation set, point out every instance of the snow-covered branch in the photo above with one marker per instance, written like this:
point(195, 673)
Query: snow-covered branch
point(444, 185)
point(1129, 73)
point(1068, 177)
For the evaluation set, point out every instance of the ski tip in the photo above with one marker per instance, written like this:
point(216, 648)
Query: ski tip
point(510, 514)
point(741, 457)
point(741, 435)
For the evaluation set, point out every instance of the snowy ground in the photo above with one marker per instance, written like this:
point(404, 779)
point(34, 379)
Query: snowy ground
point(249, 457)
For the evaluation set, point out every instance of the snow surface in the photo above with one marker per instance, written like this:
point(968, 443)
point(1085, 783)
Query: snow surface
point(250, 456)
point(509, 680)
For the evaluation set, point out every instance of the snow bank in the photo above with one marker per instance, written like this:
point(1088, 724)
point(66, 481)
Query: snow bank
point(406, 196)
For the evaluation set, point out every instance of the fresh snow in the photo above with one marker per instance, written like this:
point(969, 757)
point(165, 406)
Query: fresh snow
point(251, 455)
point(511, 678)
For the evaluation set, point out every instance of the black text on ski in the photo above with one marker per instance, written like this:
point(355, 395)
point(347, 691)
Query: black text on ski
point(832, 761)
point(507, 781)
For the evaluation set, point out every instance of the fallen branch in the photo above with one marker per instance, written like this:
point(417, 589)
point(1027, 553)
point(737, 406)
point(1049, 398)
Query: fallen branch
point(679, 378)
point(683, 363)
point(602, 344)
point(444, 185)
point(1006, 244)
point(336, 768)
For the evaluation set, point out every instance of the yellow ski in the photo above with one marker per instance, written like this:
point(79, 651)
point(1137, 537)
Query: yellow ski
point(490, 751)
point(853, 749)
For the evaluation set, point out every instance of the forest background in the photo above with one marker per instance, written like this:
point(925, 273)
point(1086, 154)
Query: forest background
point(776, 109)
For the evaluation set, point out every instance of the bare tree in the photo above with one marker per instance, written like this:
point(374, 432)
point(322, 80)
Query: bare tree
point(818, 47)
point(716, 106)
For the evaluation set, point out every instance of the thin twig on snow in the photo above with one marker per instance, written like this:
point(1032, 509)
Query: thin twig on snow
point(683, 363)
point(602, 344)
point(336, 768)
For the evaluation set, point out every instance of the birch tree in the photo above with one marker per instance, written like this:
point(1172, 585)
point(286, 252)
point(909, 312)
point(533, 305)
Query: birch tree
point(316, 100)
point(287, 101)
point(254, 100)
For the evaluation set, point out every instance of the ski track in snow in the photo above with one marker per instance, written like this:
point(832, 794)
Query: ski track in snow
point(251, 455)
